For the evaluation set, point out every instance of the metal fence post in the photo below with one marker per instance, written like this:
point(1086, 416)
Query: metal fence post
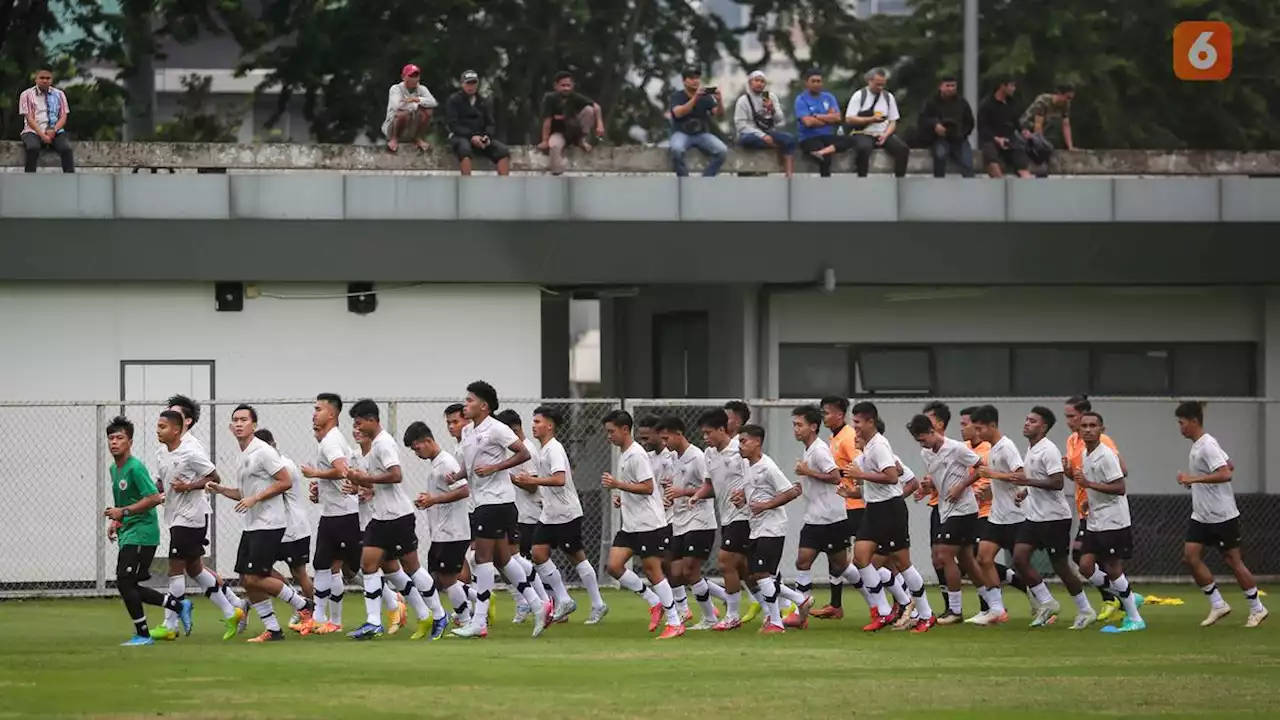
point(393, 408)
point(100, 493)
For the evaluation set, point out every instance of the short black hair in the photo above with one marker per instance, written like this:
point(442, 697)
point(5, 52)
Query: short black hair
point(253, 412)
point(510, 418)
point(1190, 410)
point(670, 423)
point(619, 418)
point(689, 72)
point(122, 424)
point(1090, 413)
point(1001, 80)
point(835, 401)
point(190, 408)
point(648, 421)
point(920, 425)
point(172, 417)
point(716, 419)
point(455, 409)
point(365, 408)
point(752, 430)
point(947, 78)
point(968, 411)
point(551, 413)
point(484, 391)
point(1080, 403)
point(940, 410)
point(417, 432)
point(1046, 415)
point(563, 74)
point(866, 409)
point(986, 414)
point(1066, 87)
point(739, 408)
point(880, 426)
point(45, 67)
point(810, 413)
point(811, 72)
point(331, 398)
point(265, 436)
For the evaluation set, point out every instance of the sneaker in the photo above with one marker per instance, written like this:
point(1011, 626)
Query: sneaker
point(294, 619)
point(989, 618)
point(327, 629)
point(367, 631)
point(243, 625)
point(399, 616)
point(438, 626)
point(672, 631)
point(163, 633)
point(705, 624)
point(268, 636)
point(137, 640)
point(1215, 614)
point(1110, 611)
point(770, 629)
point(233, 624)
point(306, 623)
point(1084, 619)
point(904, 621)
point(753, 612)
point(655, 617)
point(597, 614)
point(1139, 600)
point(522, 613)
point(423, 630)
point(981, 618)
point(795, 620)
point(1046, 614)
point(541, 617)
point(563, 610)
point(878, 622)
point(804, 608)
point(900, 611)
point(949, 618)
point(923, 626)
point(184, 616)
point(471, 631)
point(1127, 626)
point(828, 612)
point(686, 616)
point(1256, 618)
point(730, 622)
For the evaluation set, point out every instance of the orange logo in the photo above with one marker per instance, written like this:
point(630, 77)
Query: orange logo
point(1202, 50)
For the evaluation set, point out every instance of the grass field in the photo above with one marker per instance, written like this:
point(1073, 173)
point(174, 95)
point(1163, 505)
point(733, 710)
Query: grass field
point(59, 658)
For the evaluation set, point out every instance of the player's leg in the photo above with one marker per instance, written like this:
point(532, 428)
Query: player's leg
point(1060, 559)
point(1113, 567)
point(653, 551)
point(547, 572)
point(1046, 607)
point(915, 585)
point(372, 555)
point(433, 622)
point(590, 580)
point(214, 588)
point(131, 568)
point(945, 559)
point(177, 589)
point(503, 519)
point(766, 553)
point(1078, 546)
point(863, 552)
point(1257, 611)
point(525, 547)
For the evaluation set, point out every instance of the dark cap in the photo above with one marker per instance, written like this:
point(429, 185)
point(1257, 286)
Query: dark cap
point(691, 72)
point(470, 76)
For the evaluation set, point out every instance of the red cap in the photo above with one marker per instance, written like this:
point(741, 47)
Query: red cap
point(410, 69)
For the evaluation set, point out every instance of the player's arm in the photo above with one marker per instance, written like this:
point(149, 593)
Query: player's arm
point(784, 495)
point(830, 475)
point(643, 487)
point(887, 476)
point(706, 491)
point(521, 456)
point(283, 481)
point(1221, 475)
point(150, 499)
point(457, 492)
point(227, 492)
point(971, 460)
point(392, 476)
point(336, 471)
point(1055, 481)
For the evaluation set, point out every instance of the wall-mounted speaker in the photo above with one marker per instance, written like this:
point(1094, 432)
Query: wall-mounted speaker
point(361, 299)
point(228, 296)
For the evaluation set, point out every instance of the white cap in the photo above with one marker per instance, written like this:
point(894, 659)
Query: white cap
point(756, 74)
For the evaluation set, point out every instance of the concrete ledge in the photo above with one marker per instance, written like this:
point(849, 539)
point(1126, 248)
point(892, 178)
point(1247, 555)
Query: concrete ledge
point(219, 157)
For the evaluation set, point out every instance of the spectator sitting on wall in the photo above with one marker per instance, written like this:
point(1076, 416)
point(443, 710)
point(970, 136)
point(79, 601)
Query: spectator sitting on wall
point(45, 109)
point(471, 127)
point(998, 137)
point(568, 118)
point(873, 114)
point(948, 120)
point(817, 117)
point(692, 112)
point(409, 106)
point(1046, 124)
point(757, 117)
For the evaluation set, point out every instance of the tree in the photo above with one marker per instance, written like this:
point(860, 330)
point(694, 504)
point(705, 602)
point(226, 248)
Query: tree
point(199, 119)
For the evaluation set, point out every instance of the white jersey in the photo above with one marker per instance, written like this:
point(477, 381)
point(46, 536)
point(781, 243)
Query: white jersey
point(949, 467)
point(255, 468)
point(879, 456)
point(640, 512)
point(488, 444)
point(390, 500)
point(298, 525)
point(824, 504)
point(1005, 458)
point(727, 470)
point(560, 503)
point(1210, 502)
point(528, 504)
point(188, 462)
point(764, 482)
point(1106, 511)
point(663, 464)
point(689, 472)
point(359, 461)
point(1042, 462)
point(448, 521)
point(461, 457)
point(334, 502)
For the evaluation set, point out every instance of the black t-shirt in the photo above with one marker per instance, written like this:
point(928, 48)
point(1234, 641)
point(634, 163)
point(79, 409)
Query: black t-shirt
point(700, 115)
point(558, 107)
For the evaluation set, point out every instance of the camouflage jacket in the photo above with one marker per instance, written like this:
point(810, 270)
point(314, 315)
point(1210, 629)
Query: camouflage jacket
point(1054, 113)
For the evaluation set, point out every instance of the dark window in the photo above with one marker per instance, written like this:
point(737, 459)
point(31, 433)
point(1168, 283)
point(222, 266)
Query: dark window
point(812, 371)
point(1048, 371)
point(978, 370)
point(682, 362)
point(1131, 371)
point(895, 371)
point(1225, 370)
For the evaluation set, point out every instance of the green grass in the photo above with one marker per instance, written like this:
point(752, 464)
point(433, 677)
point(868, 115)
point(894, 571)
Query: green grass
point(59, 658)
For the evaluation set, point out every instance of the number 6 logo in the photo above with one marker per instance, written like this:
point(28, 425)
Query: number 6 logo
point(1202, 50)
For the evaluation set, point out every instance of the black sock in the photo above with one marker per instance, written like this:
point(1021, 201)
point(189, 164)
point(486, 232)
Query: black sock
point(133, 605)
point(140, 627)
point(1015, 582)
point(982, 603)
point(151, 596)
point(1107, 595)
point(942, 586)
point(837, 593)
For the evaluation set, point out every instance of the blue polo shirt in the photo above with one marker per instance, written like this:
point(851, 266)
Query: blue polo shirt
point(807, 105)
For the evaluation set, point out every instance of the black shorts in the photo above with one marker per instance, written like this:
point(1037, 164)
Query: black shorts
point(447, 558)
point(647, 544)
point(258, 550)
point(1223, 535)
point(853, 516)
point(462, 148)
point(694, 544)
point(188, 543)
point(1053, 536)
point(134, 562)
point(935, 521)
point(765, 555)
point(830, 538)
point(1081, 529)
point(525, 533)
point(338, 538)
point(979, 531)
point(1106, 544)
point(1006, 536)
point(887, 524)
point(395, 538)
point(957, 530)
point(736, 537)
point(565, 536)
point(496, 522)
point(295, 553)
point(1014, 156)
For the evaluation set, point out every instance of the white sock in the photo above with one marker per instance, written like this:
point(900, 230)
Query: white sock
point(790, 594)
point(390, 601)
point(681, 596)
point(471, 591)
point(401, 582)
point(587, 574)
point(1082, 602)
point(995, 600)
point(898, 588)
point(484, 574)
point(751, 594)
point(875, 589)
point(177, 591)
point(373, 592)
point(733, 604)
point(886, 576)
point(631, 581)
point(292, 597)
point(1121, 588)
point(234, 599)
point(209, 583)
point(337, 591)
point(425, 585)
point(852, 576)
point(532, 577)
point(1099, 578)
point(1009, 575)
point(1255, 605)
point(663, 591)
point(324, 579)
point(915, 583)
point(702, 593)
point(769, 596)
point(458, 598)
point(717, 591)
point(1041, 593)
point(804, 581)
point(955, 602)
point(517, 597)
point(268, 615)
point(550, 576)
point(1211, 590)
point(517, 576)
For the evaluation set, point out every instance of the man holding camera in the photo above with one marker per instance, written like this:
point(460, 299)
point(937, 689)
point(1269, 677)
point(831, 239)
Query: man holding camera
point(947, 120)
point(471, 127)
point(692, 110)
point(757, 117)
point(873, 115)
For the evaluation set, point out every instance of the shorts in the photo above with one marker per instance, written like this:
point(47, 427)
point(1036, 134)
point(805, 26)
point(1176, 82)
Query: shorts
point(1014, 156)
point(447, 558)
point(1223, 535)
point(395, 538)
point(935, 522)
point(979, 530)
point(338, 538)
point(188, 543)
point(134, 563)
point(765, 555)
point(647, 544)
point(1109, 544)
point(462, 148)
point(295, 553)
point(736, 537)
point(853, 516)
point(1081, 529)
point(694, 544)
point(1052, 536)
point(524, 538)
point(258, 551)
point(1006, 536)
point(495, 522)
point(830, 538)
point(565, 536)
point(886, 523)
point(957, 530)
